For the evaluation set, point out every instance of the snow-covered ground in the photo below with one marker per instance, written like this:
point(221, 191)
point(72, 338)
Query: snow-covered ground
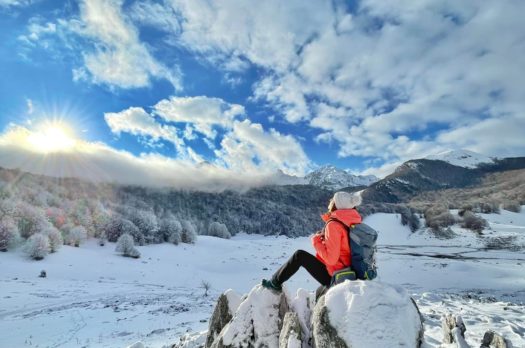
point(93, 297)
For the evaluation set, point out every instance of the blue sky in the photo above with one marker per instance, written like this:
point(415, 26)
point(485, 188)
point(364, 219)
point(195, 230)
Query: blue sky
point(251, 87)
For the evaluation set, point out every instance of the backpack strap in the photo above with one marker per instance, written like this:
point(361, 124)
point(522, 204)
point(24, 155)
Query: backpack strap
point(348, 234)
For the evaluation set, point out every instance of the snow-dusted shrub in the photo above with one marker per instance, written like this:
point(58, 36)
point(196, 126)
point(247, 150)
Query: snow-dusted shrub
point(146, 222)
point(30, 220)
point(8, 233)
point(438, 217)
point(77, 235)
point(188, 234)
point(37, 246)
point(118, 225)
point(217, 229)
point(513, 206)
point(126, 246)
point(408, 217)
point(473, 222)
point(171, 229)
point(56, 216)
point(486, 207)
point(55, 238)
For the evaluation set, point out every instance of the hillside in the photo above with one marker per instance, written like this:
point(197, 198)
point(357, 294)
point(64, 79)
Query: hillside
point(507, 188)
point(417, 176)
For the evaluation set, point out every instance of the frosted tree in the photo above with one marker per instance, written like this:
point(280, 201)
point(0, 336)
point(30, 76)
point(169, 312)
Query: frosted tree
point(55, 238)
point(30, 219)
point(117, 225)
point(77, 235)
point(8, 233)
point(171, 229)
point(126, 246)
point(146, 222)
point(37, 246)
point(217, 229)
point(188, 234)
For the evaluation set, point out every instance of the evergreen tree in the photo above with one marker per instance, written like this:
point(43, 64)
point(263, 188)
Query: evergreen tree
point(188, 234)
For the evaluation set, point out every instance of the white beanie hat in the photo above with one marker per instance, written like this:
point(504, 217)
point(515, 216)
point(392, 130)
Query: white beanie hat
point(345, 200)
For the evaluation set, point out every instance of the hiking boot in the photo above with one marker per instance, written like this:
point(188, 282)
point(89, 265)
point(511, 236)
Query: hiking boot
point(268, 284)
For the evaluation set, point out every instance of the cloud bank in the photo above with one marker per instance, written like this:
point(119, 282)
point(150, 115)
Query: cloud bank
point(99, 162)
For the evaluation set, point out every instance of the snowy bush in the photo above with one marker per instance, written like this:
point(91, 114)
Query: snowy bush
point(118, 225)
point(56, 216)
point(55, 238)
point(438, 217)
point(170, 229)
point(8, 233)
point(37, 246)
point(216, 229)
point(473, 222)
point(408, 217)
point(188, 234)
point(30, 220)
point(126, 246)
point(513, 206)
point(77, 235)
point(146, 222)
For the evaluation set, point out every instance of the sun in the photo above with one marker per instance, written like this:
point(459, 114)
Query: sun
point(52, 136)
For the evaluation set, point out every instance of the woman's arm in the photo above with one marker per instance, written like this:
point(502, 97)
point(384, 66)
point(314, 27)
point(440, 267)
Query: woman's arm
point(329, 248)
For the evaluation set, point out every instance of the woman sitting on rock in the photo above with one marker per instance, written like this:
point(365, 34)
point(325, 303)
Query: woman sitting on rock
point(331, 244)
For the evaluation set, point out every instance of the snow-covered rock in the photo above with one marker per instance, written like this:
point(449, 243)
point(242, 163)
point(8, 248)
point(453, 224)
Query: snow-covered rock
point(334, 178)
point(291, 333)
point(191, 340)
point(366, 314)
point(461, 158)
point(383, 316)
point(226, 306)
point(256, 323)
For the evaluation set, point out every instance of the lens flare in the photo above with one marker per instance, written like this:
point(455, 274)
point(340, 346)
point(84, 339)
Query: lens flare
point(52, 137)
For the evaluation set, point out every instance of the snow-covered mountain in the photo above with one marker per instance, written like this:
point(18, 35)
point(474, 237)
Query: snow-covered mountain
point(331, 177)
point(461, 158)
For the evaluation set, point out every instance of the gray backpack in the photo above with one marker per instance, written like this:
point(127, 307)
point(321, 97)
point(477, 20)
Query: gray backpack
point(362, 239)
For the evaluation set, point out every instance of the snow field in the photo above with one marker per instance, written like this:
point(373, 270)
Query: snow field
point(93, 297)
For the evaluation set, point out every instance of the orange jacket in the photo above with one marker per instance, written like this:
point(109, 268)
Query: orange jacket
point(332, 248)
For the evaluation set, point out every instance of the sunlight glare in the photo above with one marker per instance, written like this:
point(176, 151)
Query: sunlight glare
point(52, 137)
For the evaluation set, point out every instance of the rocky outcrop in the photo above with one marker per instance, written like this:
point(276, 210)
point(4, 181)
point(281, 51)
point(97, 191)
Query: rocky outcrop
point(324, 334)
point(291, 332)
point(453, 330)
point(226, 306)
point(266, 319)
point(454, 334)
point(493, 340)
point(256, 323)
point(366, 314)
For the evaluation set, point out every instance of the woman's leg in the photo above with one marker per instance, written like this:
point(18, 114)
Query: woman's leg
point(316, 268)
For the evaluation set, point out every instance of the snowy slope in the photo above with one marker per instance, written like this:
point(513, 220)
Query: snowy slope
point(93, 297)
point(334, 178)
point(461, 158)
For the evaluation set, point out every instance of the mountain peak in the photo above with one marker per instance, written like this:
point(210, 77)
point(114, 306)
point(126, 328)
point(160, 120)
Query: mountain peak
point(331, 177)
point(461, 158)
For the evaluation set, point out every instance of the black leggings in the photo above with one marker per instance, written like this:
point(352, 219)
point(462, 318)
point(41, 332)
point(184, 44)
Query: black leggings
point(316, 268)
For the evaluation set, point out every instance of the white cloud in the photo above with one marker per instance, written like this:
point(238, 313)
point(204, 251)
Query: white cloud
point(119, 57)
point(16, 3)
point(248, 147)
point(402, 73)
point(203, 112)
point(137, 121)
point(101, 163)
